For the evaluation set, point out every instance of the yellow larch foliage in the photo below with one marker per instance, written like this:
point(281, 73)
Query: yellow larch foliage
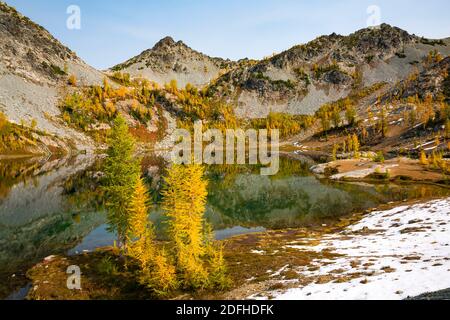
point(334, 152)
point(370, 116)
point(120, 93)
point(156, 271)
point(218, 274)
point(162, 278)
point(3, 121)
point(141, 235)
point(356, 144)
point(218, 277)
point(184, 203)
point(423, 158)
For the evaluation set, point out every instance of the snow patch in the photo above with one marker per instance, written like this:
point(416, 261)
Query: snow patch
point(395, 254)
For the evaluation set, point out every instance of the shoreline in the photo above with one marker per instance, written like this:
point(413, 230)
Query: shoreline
point(265, 283)
point(251, 248)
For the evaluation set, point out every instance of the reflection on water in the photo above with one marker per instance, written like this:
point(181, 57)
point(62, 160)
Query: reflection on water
point(101, 237)
point(236, 231)
point(38, 214)
point(98, 238)
point(54, 207)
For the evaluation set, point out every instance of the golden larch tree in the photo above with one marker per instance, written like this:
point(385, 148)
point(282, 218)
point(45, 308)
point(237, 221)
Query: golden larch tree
point(156, 271)
point(423, 158)
point(141, 234)
point(122, 170)
point(184, 202)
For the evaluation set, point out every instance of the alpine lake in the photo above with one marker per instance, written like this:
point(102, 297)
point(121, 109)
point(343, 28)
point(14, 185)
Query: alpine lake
point(54, 206)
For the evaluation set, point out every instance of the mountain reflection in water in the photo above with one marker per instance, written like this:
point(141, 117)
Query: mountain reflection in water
point(55, 207)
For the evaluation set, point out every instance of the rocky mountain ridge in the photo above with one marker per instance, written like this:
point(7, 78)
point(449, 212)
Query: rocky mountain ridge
point(434, 81)
point(31, 52)
point(303, 78)
point(34, 67)
point(169, 60)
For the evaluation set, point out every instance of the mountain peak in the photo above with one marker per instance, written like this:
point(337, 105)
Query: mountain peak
point(165, 42)
point(29, 50)
point(174, 60)
point(384, 30)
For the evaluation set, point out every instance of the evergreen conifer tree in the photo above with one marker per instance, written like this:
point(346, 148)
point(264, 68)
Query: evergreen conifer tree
point(122, 171)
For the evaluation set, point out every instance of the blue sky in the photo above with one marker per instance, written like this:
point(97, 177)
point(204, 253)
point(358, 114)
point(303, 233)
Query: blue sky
point(113, 31)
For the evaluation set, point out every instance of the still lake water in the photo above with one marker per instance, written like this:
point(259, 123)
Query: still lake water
point(54, 206)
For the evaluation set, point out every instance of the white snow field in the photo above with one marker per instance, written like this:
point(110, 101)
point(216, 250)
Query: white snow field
point(388, 255)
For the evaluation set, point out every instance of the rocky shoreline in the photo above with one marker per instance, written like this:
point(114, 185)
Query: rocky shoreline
point(394, 254)
point(403, 169)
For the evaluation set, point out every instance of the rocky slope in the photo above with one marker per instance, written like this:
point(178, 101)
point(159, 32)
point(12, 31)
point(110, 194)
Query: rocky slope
point(415, 120)
point(303, 78)
point(34, 67)
point(434, 80)
point(169, 60)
